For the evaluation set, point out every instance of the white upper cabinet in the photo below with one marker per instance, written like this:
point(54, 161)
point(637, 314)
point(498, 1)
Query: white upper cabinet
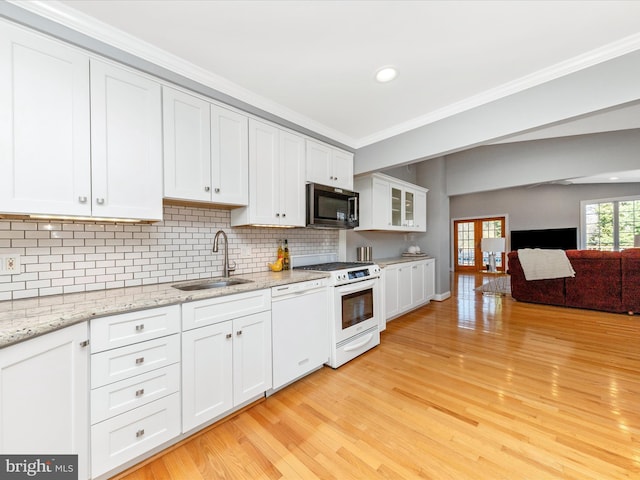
point(276, 178)
point(44, 125)
point(77, 136)
point(229, 157)
point(205, 150)
point(126, 140)
point(387, 203)
point(329, 166)
point(187, 146)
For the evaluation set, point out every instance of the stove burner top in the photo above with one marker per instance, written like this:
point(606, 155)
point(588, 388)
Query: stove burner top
point(333, 266)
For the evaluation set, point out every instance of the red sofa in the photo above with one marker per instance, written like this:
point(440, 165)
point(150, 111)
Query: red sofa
point(607, 281)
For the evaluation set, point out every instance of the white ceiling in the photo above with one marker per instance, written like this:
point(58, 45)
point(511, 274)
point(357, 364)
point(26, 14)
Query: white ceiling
point(313, 62)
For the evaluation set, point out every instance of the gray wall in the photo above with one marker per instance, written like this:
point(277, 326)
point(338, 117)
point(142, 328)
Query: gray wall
point(525, 163)
point(432, 175)
point(544, 206)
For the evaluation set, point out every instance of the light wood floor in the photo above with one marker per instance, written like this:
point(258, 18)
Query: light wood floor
point(474, 387)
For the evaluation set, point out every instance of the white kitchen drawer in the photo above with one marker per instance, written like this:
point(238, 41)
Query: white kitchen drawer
point(128, 328)
point(125, 395)
point(124, 437)
point(214, 310)
point(125, 362)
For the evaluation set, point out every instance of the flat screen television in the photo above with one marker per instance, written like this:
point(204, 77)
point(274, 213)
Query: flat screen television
point(556, 238)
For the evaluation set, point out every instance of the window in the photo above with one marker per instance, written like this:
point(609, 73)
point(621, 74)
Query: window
point(610, 224)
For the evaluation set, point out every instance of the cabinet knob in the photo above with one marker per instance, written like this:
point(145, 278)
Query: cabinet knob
point(140, 392)
point(284, 215)
point(239, 332)
point(217, 190)
point(82, 199)
point(277, 214)
point(100, 201)
point(139, 361)
point(140, 433)
point(229, 335)
point(140, 327)
point(206, 189)
point(84, 343)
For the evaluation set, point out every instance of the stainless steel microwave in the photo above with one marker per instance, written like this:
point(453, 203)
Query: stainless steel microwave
point(331, 207)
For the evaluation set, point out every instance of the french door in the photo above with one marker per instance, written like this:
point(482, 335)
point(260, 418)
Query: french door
point(467, 235)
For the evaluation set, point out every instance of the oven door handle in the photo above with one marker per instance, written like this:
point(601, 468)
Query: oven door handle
point(356, 287)
point(366, 339)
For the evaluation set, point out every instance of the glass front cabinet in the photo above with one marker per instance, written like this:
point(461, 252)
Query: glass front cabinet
point(388, 203)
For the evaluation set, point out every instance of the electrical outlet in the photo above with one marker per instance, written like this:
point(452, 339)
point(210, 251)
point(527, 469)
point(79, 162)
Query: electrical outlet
point(245, 251)
point(9, 264)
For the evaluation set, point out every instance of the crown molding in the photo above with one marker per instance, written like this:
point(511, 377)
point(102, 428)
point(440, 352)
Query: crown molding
point(68, 17)
point(61, 13)
point(594, 57)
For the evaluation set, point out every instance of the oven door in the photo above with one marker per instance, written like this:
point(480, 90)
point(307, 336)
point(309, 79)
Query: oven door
point(355, 308)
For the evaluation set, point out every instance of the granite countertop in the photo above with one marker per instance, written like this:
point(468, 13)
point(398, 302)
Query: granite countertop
point(27, 318)
point(383, 262)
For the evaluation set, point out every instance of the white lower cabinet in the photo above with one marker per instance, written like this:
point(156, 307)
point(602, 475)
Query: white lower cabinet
point(135, 386)
point(44, 401)
point(126, 436)
point(408, 285)
point(226, 360)
point(207, 379)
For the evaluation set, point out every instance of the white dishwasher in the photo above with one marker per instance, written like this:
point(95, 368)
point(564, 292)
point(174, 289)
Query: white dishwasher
point(300, 330)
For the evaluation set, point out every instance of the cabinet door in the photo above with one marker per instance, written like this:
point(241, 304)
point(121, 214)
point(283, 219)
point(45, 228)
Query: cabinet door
point(187, 146)
point(264, 174)
point(251, 356)
point(126, 143)
point(44, 396)
point(292, 172)
point(430, 279)
point(418, 293)
point(396, 199)
point(404, 288)
point(392, 307)
point(343, 169)
point(207, 389)
point(420, 223)
point(229, 157)
point(319, 163)
point(44, 125)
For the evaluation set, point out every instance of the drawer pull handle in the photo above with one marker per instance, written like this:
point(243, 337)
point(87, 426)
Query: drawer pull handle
point(140, 327)
point(239, 332)
point(229, 335)
point(140, 392)
point(140, 433)
point(139, 361)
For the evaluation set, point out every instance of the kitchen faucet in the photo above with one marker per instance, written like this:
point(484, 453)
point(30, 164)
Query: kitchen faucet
point(226, 269)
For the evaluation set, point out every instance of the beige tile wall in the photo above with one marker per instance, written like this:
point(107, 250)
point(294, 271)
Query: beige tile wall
point(66, 257)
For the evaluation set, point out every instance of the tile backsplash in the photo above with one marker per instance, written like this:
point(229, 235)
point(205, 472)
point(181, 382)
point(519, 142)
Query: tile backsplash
point(66, 257)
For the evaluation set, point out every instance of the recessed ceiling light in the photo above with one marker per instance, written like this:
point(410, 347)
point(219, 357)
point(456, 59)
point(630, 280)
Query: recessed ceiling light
point(386, 74)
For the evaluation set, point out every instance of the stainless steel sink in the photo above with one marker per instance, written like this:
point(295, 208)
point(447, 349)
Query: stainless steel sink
point(211, 283)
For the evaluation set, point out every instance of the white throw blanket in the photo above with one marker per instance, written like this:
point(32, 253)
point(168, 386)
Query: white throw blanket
point(539, 264)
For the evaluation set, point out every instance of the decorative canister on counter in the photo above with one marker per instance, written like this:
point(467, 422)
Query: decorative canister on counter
point(364, 254)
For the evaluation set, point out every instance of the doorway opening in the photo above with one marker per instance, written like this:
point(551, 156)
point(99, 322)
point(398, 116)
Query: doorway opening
point(467, 235)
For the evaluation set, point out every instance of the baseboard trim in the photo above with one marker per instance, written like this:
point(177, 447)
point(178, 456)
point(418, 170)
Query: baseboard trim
point(439, 297)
